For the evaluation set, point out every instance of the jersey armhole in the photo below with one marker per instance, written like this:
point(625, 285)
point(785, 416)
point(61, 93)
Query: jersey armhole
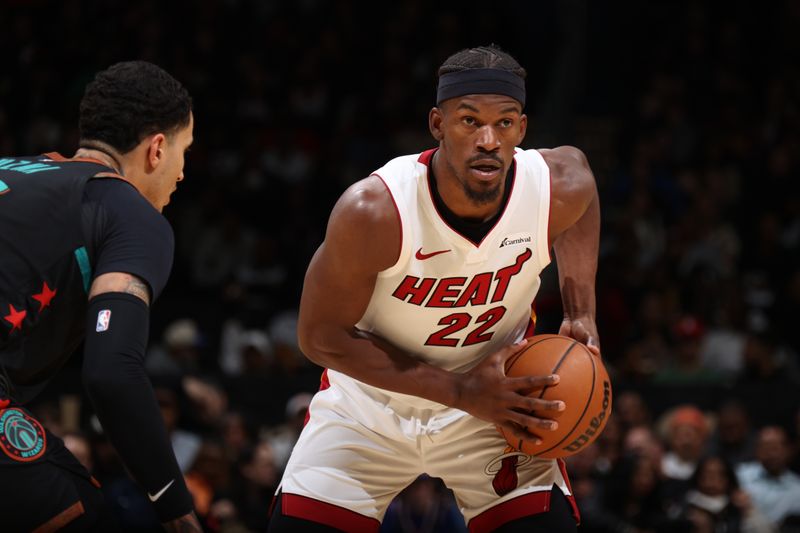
point(544, 215)
point(402, 254)
point(542, 184)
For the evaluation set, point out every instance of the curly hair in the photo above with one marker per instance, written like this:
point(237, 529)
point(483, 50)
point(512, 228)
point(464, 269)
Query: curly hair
point(491, 56)
point(129, 101)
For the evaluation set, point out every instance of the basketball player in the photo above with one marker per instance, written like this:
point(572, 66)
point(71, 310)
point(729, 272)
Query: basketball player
point(421, 291)
point(84, 250)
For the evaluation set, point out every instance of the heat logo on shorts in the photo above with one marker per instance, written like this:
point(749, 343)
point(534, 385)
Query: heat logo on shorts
point(21, 436)
point(103, 320)
point(503, 470)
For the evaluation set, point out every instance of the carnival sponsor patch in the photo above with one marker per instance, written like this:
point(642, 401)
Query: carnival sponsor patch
point(21, 436)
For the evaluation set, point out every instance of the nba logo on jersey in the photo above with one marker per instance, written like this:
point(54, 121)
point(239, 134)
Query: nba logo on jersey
point(103, 320)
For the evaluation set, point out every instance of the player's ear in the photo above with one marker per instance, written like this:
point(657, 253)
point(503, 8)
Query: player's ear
point(155, 149)
point(523, 128)
point(435, 120)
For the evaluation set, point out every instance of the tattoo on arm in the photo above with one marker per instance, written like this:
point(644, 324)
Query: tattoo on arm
point(120, 282)
point(138, 288)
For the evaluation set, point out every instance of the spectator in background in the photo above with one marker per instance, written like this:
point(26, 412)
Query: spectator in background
point(722, 349)
point(208, 402)
point(588, 484)
point(686, 367)
point(238, 433)
point(290, 359)
point(283, 437)
point(643, 441)
point(764, 363)
point(775, 489)
point(248, 351)
point(733, 438)
point(631, 409)
point(224, 244)
point(185, 444)
point(179, 351)
point(768, 373)
point(210, 476)
point(257, 480)
point(609, 445)
point(714, 501)
point(687, 433)
point(633, 500)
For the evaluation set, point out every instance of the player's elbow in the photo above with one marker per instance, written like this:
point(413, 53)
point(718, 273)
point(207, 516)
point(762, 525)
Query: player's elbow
point(96, 382)
point(308, 342)
point(314, 342)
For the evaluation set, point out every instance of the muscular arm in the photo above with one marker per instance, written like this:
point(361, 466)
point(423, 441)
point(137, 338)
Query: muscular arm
point(574, 236)
point(363, 238)
point(123, 398)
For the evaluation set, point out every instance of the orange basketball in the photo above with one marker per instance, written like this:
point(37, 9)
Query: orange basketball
point(584, 387)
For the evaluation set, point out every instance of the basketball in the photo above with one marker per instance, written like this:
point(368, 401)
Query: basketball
point(584, 387)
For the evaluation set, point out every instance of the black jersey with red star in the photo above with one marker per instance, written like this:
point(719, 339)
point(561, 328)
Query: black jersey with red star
point(59, 228)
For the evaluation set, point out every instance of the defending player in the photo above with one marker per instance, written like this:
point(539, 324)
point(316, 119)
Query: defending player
point(84, 250)
point(420, 292)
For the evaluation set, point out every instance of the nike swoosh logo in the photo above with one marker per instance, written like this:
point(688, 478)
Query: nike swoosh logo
point(157, 495)
point(422, 257)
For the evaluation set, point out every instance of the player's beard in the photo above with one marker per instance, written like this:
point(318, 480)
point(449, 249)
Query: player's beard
point(481, 195)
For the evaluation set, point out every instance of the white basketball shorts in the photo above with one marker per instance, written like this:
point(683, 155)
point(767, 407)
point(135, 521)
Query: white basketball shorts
point(361, 446)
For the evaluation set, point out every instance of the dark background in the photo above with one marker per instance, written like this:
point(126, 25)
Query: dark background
point(687, 111)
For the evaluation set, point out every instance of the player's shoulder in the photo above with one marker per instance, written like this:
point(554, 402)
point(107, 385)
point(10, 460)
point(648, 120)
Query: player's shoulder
point(404, 167)
point(570, 173)
point(366, 202)
point(125, 210)
point(123, 198)
point(564, 158)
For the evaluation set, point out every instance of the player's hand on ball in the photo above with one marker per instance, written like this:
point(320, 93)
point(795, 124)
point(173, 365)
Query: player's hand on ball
point(583, 329)
point(486, 393)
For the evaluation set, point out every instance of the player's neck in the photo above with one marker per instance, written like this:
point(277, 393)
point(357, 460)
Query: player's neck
point(101, 152)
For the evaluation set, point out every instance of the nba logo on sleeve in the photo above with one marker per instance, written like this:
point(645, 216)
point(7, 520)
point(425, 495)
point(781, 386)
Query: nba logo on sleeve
point(103, 320)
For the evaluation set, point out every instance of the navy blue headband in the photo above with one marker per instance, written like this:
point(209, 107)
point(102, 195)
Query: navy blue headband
point(480, 81)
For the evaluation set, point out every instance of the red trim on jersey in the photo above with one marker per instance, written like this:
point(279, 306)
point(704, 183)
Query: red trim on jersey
point(425, 157)
point(531, 330)
point(327, 514)
point(571, 499)
point(521, 506)
point(324, 383)
point(428, 156)
point(55, 156)
point(549, 211)
point(397, 212)
point(62, 519)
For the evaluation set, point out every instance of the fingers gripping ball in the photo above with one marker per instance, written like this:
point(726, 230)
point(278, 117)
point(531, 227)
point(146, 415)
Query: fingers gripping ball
point(584, 387)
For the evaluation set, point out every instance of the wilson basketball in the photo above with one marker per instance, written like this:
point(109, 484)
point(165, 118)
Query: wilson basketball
point(584, 387)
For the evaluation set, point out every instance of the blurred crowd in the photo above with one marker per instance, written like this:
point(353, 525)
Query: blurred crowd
point(689, 113)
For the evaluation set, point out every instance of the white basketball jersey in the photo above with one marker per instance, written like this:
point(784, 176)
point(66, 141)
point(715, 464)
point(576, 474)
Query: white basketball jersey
point(448, 301)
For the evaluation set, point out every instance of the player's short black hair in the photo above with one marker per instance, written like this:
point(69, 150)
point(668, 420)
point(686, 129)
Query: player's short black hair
point(129, 101)
point(491, 56)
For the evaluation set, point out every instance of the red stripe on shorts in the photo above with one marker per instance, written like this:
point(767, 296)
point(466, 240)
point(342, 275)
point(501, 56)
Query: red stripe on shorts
point(525, 505)
point(571, 499)
point(306, 508)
